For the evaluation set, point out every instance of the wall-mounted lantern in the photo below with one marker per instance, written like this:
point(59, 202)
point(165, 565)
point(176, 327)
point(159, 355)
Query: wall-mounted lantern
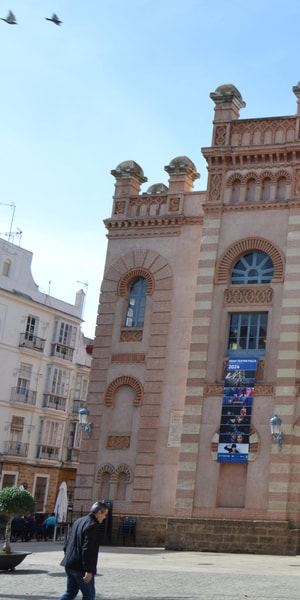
point(85, 424)
point(276, 432)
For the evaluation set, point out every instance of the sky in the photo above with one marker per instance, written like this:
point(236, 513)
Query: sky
point(120, 80)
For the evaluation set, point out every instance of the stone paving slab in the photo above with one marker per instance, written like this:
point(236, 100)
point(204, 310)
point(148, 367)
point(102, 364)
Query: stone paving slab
point(127, 573)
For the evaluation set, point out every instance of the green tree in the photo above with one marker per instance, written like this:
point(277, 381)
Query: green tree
point(14, 502)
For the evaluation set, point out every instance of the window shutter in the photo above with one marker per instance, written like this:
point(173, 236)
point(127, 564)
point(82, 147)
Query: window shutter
point(17, 423)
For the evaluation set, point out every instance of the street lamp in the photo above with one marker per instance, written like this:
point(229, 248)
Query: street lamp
point(276, 433)
point(85, 424)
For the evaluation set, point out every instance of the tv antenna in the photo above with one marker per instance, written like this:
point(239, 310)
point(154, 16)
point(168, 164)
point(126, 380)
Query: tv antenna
point(85, 285)
point(10, 234)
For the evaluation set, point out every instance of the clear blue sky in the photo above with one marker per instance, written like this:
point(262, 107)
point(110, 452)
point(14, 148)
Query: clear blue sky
point(120, 80)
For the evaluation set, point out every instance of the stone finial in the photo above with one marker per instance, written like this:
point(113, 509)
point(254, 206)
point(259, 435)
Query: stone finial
point(182, 173)
point(157, 189)
point(296, 90)
point(129, 169)
point(129, 177)
point(228, 93)
point(180, 165)
point(228, 102)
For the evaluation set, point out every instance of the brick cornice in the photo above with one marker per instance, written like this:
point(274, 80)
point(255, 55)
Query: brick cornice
point(149, 226)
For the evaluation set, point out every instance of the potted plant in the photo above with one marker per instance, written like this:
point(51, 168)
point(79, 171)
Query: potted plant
point(14, 502)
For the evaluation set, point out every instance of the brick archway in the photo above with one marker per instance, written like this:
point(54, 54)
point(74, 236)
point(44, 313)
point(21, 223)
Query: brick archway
point(231, 255)
point(127, 279)
point(114, 385)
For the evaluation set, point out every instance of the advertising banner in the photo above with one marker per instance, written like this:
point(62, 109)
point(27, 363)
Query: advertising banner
point(237, 403)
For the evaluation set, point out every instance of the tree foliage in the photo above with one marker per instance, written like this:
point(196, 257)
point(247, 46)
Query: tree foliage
point(16, 502)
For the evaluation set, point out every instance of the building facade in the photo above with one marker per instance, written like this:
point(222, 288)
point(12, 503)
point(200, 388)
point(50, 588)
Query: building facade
point(44, 371)
point(193, 281)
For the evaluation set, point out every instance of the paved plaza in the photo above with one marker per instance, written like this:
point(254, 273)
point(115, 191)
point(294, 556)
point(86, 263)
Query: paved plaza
point(129, 573)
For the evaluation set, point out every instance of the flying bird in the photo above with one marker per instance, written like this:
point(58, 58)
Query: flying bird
point(10, 19)
point(54, 19)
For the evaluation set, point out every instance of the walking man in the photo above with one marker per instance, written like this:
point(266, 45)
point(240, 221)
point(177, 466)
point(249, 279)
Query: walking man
point(81, 553)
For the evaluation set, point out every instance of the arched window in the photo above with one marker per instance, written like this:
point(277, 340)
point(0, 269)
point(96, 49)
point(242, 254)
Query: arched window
point(280, 190)
point(121, 486)
point(105, 484)
point(266, 190)
point(250, 192)
point(136, 305)
point(236, 190)
point(254, 267)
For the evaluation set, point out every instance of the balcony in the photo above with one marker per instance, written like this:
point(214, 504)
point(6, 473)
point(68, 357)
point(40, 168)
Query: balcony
point(72, 455)
point(15, 448)
point(23, 396)
point(62, 351)
point(28, 340)
point(48, 452)
point(56, 402)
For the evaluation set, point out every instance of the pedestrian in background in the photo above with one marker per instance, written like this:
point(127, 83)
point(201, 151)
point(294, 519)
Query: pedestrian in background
point(81, 553)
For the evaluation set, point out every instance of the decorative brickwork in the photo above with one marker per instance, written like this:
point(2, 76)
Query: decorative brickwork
point(259, 176)
point(123, 468)
point(119, 382)
point(215, 187)
point(128, 358)
point(145, 205)
point(262, 131)
point(174, 204)
point(130, 276)
point(118, 442)
point(107, 468)
point(247, 295)
point(131, 335)
point(120, 207)
point(231, 255)
point(220, 135)
point(296, 186)
point(114, 472)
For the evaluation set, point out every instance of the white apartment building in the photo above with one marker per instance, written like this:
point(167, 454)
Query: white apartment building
point(44, 371)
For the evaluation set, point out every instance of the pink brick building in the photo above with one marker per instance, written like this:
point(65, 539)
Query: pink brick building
point(191, 280)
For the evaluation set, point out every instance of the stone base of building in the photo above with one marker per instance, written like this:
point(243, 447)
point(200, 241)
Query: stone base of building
point(213, 535)
point(224, 535)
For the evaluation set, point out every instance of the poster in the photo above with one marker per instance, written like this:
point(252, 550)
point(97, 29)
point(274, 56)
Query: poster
point(236, 413)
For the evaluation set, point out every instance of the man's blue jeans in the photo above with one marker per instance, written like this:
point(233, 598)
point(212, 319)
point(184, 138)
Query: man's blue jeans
point(75, 583)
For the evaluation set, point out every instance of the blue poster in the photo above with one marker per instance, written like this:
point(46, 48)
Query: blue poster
point(237, 402)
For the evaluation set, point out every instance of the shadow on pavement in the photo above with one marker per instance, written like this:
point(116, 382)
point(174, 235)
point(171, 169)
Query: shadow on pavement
point(17, 597)
point(17, 572)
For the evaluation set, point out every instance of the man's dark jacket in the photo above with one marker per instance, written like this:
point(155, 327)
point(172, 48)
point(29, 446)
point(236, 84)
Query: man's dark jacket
point(81, 550)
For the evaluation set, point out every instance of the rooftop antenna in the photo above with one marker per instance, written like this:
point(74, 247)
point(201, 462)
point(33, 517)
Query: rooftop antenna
point(85, 285)
point(12, 234)
point(13, 206)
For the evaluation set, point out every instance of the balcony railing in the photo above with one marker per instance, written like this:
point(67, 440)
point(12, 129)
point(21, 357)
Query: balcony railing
point(28, 340)
point(48, 452)
point(15, 448)
point(23, 395)
point(62, 351)
point(56, 402)
point(72, 455)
